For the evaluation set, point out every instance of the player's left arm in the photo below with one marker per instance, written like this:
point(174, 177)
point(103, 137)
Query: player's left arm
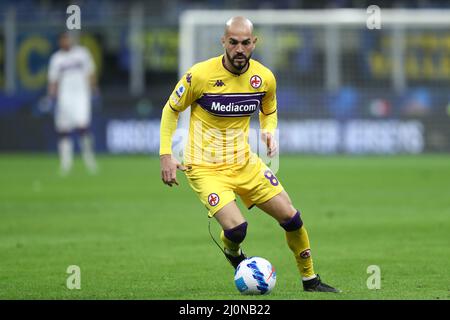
point(93, 82)
point(268, 118)
point(91, 71)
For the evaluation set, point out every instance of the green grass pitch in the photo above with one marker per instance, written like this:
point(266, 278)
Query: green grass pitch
point(135, 238)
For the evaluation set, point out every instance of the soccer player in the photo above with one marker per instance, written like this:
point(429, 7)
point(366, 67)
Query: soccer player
point(223, 93)
point(71, 77)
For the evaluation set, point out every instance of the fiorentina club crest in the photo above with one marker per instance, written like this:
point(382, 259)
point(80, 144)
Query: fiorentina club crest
point(305, 254)
point(255, 81)
point(213, 199)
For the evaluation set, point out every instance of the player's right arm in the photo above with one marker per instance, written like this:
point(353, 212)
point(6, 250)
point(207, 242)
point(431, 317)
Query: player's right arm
point(169, 164)
point(48, 102)
point(52, 88)
point(182, 97)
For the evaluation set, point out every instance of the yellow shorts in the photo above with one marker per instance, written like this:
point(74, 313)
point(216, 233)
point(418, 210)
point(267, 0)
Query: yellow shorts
point(253, 182)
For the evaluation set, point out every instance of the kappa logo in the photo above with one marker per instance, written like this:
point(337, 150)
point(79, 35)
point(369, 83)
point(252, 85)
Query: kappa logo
point(189, 77)
point(255, 81)
point(213, 199)
point(219, 83)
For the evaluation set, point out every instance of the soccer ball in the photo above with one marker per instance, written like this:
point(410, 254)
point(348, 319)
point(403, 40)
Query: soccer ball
point(255, 276)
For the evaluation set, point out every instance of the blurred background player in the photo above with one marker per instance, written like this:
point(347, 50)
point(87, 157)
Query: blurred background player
point(71, 81)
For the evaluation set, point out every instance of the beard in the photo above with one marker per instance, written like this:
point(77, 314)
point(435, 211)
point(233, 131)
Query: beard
point(238, 65)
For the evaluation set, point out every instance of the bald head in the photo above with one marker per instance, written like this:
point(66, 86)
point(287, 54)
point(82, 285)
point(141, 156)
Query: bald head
point(239, 42)
point(238, 24)
point(65, 41)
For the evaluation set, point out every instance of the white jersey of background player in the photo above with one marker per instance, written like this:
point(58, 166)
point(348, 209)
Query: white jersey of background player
point(71, 76)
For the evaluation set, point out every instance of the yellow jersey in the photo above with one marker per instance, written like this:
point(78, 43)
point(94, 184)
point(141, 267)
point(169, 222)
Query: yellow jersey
point(221, 103)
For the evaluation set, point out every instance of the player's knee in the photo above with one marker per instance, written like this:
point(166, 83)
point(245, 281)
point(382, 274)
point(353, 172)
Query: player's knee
point(236, 234)
point(293, 223)
point(83, 131)
point(63, 134)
